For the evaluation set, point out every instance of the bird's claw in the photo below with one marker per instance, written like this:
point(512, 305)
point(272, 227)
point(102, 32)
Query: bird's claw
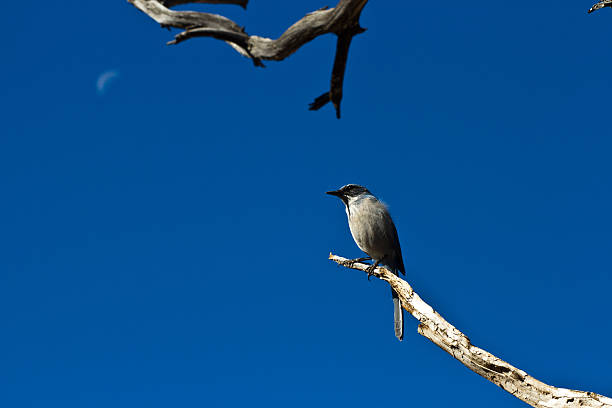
point(370, 271)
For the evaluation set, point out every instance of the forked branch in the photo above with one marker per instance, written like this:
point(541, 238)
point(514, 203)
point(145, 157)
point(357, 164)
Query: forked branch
point(448, 338)
point(342, 20)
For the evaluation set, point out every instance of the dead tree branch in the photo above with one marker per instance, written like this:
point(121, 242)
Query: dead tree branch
point(600, 4)
point(342, 20)
point(172, 3)
point(483, 363)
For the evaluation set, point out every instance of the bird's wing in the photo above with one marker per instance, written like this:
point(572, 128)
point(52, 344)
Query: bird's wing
point(399, 261)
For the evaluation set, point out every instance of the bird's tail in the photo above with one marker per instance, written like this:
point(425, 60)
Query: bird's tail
point(398, 316)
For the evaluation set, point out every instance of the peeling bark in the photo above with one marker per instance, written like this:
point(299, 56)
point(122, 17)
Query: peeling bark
point(450, 339)
point(342, 20)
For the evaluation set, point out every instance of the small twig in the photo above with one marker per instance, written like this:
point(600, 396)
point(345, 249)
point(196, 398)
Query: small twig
point(600, 4)
point(450, 339)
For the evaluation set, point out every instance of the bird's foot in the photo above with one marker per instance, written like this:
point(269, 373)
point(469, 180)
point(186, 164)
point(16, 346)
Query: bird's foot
point(370, 271)
point(351, 262)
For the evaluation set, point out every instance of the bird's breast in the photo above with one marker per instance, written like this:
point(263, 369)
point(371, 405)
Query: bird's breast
point(368, 227)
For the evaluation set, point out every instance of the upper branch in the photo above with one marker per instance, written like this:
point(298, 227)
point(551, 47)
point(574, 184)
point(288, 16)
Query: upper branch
point(600, 4)
point(450, 339)
point(323, 21)
point(342, 20)
point(172, 3)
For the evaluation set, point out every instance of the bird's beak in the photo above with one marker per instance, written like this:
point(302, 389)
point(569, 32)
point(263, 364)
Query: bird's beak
point(334, 193)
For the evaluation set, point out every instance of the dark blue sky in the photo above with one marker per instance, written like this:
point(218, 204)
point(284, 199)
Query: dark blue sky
point(165, 242)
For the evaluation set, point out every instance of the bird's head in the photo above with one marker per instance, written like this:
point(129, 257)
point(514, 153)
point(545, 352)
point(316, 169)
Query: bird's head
point(349, 192)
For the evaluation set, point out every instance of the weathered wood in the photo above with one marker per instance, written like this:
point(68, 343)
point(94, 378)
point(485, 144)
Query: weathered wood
point(342, 20)
point(450, 339)
point(600, 4)
point(335, 93)
point(172, 3)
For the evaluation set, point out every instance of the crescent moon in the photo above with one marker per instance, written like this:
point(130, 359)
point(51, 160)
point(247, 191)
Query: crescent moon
point(104, 79)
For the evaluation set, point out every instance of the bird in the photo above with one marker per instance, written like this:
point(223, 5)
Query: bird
point(375, 234)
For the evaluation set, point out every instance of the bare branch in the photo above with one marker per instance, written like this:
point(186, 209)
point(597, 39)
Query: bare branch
point(600, 4)
point(343, 20)
point(335, 93)
point(448, 338)
point(172, 3)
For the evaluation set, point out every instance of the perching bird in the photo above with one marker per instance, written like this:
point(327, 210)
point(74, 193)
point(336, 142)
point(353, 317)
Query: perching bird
point(375, 234)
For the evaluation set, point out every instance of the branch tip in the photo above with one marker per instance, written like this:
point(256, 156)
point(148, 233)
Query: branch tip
point(319, 102)
point(599, 5)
